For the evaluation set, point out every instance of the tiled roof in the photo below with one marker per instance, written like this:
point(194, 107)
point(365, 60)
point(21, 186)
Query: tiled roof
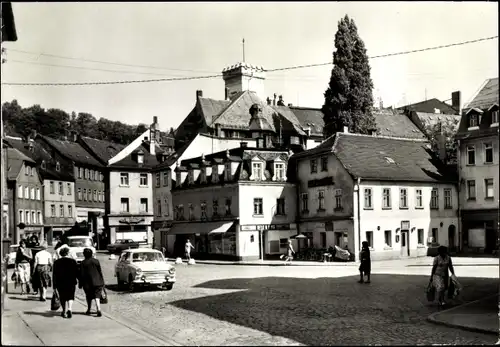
point(487, 96)
point(289, 120)
point(384, 158)
point(432, 119)
point(15, 160)
point(102, 149)
point(428, 106)
point(309, 117)
point(150, 161)
point(211, 108)
point(72, 150)
point(396, 125)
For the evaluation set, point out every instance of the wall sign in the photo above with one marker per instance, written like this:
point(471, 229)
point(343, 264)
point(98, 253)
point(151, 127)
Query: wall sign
point(254, 227)
point(327, 181)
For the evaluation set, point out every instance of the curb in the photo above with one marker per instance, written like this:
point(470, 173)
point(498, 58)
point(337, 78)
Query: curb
point(328, 264)
point(156, 337)
point(431, 318)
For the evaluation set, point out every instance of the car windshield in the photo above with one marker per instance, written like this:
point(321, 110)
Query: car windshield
point(147, 256)
point(80, 242)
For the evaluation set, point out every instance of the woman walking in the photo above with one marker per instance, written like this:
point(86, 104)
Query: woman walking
point(439, 274)
point(42, 267)
point(365, 267)
point(65, 280)
point(92, 280)
point(22, 265)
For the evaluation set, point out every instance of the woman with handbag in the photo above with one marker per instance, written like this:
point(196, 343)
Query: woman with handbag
point(65, 278)
point(439, 274)
point(42, 266)
point(23, 268)
point(92, 281)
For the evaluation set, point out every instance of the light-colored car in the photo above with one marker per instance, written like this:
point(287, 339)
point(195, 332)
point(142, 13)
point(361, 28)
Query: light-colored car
point(78, 243)
point(144, 267)
point(12, 255)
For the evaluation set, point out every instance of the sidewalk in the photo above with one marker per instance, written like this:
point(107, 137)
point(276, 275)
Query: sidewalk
point(30, 322)
point(479, 316)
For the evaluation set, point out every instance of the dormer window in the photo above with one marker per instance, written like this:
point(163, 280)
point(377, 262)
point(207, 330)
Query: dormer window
point(279, 171)
point(58, 167)
point(215, 174)
point(190, 177)
point(256, 171)
point(227, 171)
point(494, 118)
point(140, 157)
point(473, 120)
point(203, 174)
point(43, 164)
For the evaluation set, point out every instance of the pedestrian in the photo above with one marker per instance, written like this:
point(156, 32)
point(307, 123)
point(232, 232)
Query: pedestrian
point(63, 243)
point(65, 276)
point(187, 249)
point(366, 264)
point(22, 266)
point(439, 274)
point(91, 280)
point(42, 268)
point(289, 253)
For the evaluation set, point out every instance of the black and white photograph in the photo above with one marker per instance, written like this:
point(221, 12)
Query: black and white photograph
point(250, 173)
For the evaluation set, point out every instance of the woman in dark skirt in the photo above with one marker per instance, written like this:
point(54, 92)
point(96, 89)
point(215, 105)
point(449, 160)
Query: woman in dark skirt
point(366, 264)
point(64, 281)
point(92, 280)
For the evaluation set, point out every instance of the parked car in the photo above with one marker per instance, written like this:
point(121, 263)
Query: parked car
point(121, 245)
point(78, 243)
point(144, 267)
point(11, 257)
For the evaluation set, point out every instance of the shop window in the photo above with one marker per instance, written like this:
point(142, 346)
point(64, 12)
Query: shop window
point(283, 243)
point(322, 239)
point(420, 234)
point(369, 238)
point(388, 237)
point(434, 234)
point(274, 246)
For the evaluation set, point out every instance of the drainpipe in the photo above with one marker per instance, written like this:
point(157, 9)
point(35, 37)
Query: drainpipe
point(359, 220)
point(459, 188)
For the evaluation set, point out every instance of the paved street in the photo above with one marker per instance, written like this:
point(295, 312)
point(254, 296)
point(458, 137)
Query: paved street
point(276, 305)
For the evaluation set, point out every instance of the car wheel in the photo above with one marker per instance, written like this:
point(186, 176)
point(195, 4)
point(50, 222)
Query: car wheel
point(120, 282)
point(131, 284)
point(169, 286)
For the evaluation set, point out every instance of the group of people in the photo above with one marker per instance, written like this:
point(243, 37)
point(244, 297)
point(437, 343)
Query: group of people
point(66, 274)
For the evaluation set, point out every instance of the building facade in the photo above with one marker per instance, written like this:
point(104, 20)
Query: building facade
point(478, 153)
point(162, 203)
point(387, 191)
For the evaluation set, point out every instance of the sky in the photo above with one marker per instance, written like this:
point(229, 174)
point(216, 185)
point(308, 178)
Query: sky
point(162, 40)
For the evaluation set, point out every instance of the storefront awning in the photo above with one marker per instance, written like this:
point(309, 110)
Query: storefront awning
point(200, 228)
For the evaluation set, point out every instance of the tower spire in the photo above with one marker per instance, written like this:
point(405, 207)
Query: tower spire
point(243, 49)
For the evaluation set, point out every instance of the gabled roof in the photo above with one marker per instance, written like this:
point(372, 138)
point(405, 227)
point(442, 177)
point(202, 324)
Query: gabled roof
point(396, 124)
point(486, 97)
point(130, 162)
point(309, 118)
point(388, 159)
point(15, 161)
point(102, 149)
point(72, 151)
point(428, 106)
point(212, 108)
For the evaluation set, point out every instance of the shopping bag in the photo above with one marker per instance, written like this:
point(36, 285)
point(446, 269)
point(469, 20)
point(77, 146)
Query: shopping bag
point(55, 302)
point(104, 296)
point(13, 277)
point(431, 292)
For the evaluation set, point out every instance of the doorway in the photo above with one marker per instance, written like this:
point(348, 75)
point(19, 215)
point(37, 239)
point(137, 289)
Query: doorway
point(451, 238)
point(405, 247)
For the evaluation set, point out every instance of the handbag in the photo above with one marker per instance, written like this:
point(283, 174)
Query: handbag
point(430, 292)
point(55, 302)
point(104, 296)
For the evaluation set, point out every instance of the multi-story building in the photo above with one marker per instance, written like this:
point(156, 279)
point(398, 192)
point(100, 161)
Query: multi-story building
point(58, 187)
point(238, 203)
point(25, 196)
point(88, 174)
point(478, 170)
point(388, 191)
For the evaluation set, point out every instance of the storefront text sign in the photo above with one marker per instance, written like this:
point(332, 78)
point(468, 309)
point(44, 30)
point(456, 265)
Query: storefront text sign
point(253, 227)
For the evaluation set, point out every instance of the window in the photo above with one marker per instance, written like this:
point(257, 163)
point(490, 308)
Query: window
point(20, 192)
point(144, 205)
point(26, 192)
point(388, 238)
point(158, 207)
point(314, 166)
point(32, 194)
point(38, 194)
point(471, 155)
point(473, 120)
point(95, 195)
point(257, 171)
point(322, 239)
point(386, 196)
point(27, 217)
point(190, 177)
point(494, 117)
point(33, 217)
point(338, 199)
point(125, 204)
point(52, 189)
point(89, 195)
point(488, 153)
point(157, 179)
point(203, 207)
point(40, 221)
point(420, 235)
point(93, 176)
point(70, 211)
point(80, 173)
point(42, 165)
point(124, 179)
point(167, 207)
point(447, 198)
point(68, 188)
point(203, 175)
point(488, 188)
point(180, 212)
point(305, 202)
point(215, 174)
point(165, 178)
point(84, 194)
point(280, 206)
point(368, 198)
point(191, 211)
point(257, 206)
point(279, 169)
point(434, 233)
point(144, 180)
point(471, 190)
point(418, 198)
point(324, 163)
point(61, 188)
point(79, 192)
point(215, 207)
point(86, 174)
point(434, 198)
point(228, 206)
point(227, 171)
point(61, 210)
point(369, 238)
point(33, 171)
point(21, 216)
point(321, 200)
point(140, 158)
point(403, 198)
point(27, 171)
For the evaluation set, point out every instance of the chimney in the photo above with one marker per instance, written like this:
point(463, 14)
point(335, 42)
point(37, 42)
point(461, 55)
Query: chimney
point(381, 104)
point(155, 120)
point(290, 105)
point(199, 94)
point(243, 144)
point(346, 130)
point(226, 93)
point(456, 101)
point(274, 100)
point(441, 144)
point(280, 101)
point(74, 136)
point(268, 100)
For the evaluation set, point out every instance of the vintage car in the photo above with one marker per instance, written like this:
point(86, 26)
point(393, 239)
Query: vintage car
point(144, 267)
point(121, 245)
point(78, 243)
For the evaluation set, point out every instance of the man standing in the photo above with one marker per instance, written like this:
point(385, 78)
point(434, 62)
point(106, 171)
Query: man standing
point(187, 249)
point(41, 271)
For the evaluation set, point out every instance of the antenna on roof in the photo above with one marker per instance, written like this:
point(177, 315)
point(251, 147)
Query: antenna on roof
point(243, 42)
point(425, 94)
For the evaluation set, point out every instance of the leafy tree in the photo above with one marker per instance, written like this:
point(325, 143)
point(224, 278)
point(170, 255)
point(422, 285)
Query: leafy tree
point(448, 128)
point(349, 98)
point(55, 123)
point(86, 124)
